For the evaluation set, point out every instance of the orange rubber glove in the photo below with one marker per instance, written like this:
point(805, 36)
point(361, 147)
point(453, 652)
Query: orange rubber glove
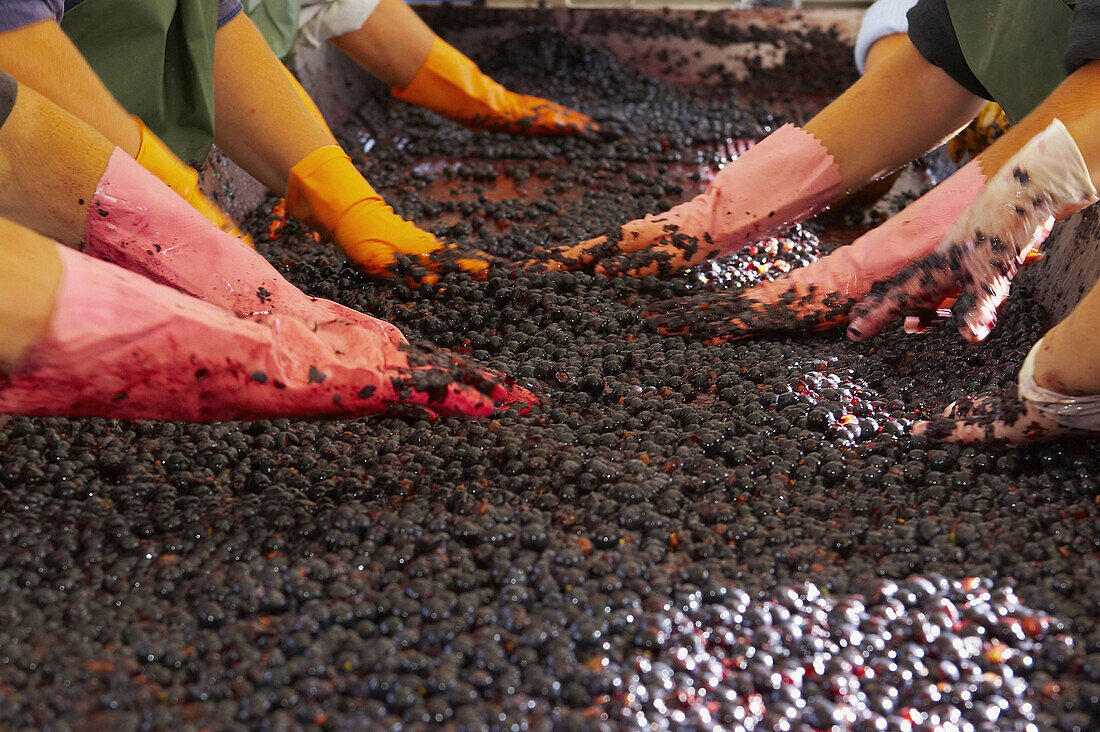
point(452, 85)
point(326, 190)
point(158, 159)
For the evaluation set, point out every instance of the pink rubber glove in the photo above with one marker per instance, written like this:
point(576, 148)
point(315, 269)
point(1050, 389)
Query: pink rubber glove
point(1032, 414)
point(785, 178)
point(138, 223)
point(121, 346)
point(1045, 180)
point(822, 294)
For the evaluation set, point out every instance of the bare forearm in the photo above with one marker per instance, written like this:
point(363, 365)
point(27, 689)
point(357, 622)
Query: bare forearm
point(883, 49)
point(41, 57)
point(902, 108)
point(50, 164)
point(29, 275)
point(259, 120)
point(1086, 133)
point(392, 44)
point(1076, 99)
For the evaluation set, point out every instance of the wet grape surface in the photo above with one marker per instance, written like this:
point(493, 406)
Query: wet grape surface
point(681, 536)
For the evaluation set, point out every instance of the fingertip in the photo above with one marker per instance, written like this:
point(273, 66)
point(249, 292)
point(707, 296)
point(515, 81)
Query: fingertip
point(470, 402)
point(477, 268)
point(393, 334)
point(966, 433)
point(973, 334)
point(914, 326)
point(516, 398)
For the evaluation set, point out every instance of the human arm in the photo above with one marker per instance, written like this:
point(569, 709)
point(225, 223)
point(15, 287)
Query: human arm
point(1075, 103)
point(41, 57)
point(266, 126)
point(880, 123)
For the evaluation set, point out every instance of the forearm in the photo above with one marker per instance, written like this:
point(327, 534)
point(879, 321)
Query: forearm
point(1076, 102)
point(1086, 133)
point(392, 44)
point(50, 164)
point(40, 56)
point(29, 275)
point(883, 49)
point(902, 108)
point(260, 122)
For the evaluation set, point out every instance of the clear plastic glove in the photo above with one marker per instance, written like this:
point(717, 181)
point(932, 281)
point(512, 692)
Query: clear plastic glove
point(326, 190)
point(784, 179)
point(452, 85)
point(979, 256)
point(119, 345)
point(822, 294)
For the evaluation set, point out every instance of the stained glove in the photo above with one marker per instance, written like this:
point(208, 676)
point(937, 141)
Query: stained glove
point(983, 250)
point(1032, 414)
point(821, 295)
point(135, 222)
point(157, 158)
point(119, 345)
point(327, 191)
point(452, 85)
point(783, 179)
point(982, 131)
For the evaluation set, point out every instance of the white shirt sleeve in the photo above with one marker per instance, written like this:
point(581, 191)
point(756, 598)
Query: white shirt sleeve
point(884, 18)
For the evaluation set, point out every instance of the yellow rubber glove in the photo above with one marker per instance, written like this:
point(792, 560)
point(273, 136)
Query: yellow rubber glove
point(326, 190)
point(979, 134)
point(452, 85)
point(158, 159)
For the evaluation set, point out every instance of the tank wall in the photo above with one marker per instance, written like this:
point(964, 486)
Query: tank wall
point(1070, 265)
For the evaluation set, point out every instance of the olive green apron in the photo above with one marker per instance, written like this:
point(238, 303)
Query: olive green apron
point(277, 21)
point(157, 58)
point(1016, 48)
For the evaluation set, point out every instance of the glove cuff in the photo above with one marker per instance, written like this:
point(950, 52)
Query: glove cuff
point(451, 84)
point(1072, 412)
point(425, 86)
point(1054, 162)
point(325, 185)
point(158, 159)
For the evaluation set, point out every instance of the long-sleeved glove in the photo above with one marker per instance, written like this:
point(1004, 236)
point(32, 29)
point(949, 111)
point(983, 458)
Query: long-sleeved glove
point(157, 158)
point(326, 190)
point(119, 345)
point(787, 177)
point(135, 222)
point(822, 294)
point(452, 85)
point(981, 253)
point(1032, 414)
